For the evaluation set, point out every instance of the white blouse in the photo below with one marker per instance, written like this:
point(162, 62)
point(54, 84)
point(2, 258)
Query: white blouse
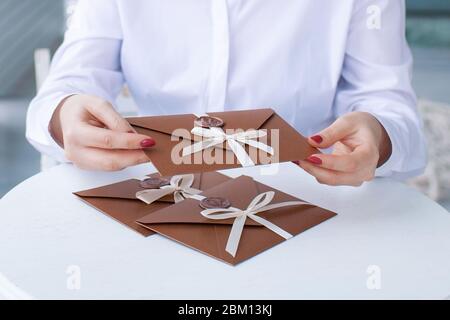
point(310, 60)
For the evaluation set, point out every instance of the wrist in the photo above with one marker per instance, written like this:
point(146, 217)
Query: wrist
point(55, 126)
point(385, 148)
point(384, 143)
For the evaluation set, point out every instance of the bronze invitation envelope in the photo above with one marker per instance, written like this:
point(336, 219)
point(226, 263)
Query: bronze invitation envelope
point(120, 202)
point(236, 220)
point(221, 140)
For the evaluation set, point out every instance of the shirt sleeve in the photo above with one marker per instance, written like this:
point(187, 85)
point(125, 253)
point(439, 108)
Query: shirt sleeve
point(376, 78)
point(88, 62)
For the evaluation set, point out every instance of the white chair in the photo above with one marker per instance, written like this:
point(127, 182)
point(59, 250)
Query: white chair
point(42, 69)
point(435, 182)
point(42, 60)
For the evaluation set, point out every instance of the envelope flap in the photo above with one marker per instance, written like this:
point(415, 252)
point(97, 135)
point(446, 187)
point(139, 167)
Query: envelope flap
point(188, 211)
point(164, 124)
point(127, 189)
point(206, 180)
point(244, 119)
point(240, 192)
point(122, 190)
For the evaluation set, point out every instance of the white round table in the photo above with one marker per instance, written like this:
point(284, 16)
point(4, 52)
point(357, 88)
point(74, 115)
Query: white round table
point(388, 241)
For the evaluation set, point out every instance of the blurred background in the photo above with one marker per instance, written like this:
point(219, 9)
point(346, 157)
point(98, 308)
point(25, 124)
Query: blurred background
point(29, 25)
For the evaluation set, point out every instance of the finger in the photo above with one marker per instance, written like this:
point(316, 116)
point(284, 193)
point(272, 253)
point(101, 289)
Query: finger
point(350, 162)
point(92, 136)
point(330, 177)
point(108, 160)
point(105, 112)
point(338, 130)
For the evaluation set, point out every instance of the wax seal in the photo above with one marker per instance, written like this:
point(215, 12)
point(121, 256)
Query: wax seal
point(209, 122)
point(215, 203)
point(154, 183)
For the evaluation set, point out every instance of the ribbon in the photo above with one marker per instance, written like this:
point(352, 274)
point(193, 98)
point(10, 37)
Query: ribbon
point(180, 187)
point(215, 136)
point(259, 204)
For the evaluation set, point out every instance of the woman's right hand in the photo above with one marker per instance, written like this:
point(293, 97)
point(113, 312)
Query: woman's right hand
point(95, 137)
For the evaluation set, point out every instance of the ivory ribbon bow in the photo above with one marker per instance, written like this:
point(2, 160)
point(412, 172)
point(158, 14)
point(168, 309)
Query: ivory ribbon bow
point(180, 186)
point(259, 204)
point(215, 136)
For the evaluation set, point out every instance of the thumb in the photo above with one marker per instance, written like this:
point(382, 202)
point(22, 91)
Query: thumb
point(338, 130)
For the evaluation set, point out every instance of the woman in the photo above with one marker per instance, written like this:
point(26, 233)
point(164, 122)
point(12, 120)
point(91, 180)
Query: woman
point(338, 71)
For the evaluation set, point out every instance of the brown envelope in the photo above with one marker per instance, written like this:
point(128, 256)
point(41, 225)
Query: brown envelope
point(183, 222)
point(292, 145)
point(119, 200)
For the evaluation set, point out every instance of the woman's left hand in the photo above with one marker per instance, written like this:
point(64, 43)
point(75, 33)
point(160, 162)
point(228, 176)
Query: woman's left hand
point(360, 145)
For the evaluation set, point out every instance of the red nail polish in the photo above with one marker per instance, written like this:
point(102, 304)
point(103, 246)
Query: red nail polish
point(148, 143)
point(317, 139)
point(314, 160)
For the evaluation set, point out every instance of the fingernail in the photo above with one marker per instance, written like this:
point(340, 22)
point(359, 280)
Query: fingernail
point(147, 143)
point(314, 160)
point(317, 139)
